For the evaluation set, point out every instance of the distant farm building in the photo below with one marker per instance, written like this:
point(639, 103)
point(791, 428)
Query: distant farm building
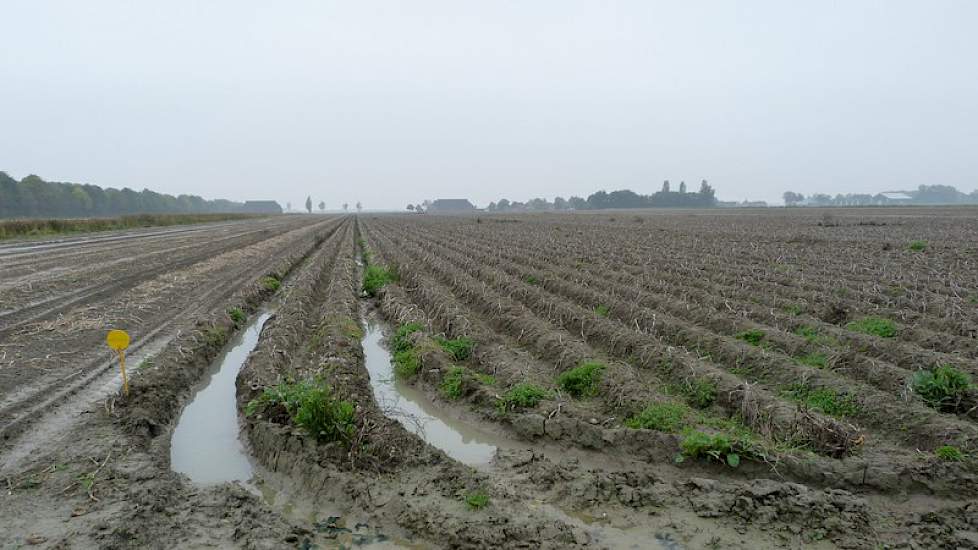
point(442, 206)
point(261, 207)
point(895, 197)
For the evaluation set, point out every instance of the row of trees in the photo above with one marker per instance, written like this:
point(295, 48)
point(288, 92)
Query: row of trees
point(321, 205)
point(925, 194)
point(32, 197)
point(623, 198)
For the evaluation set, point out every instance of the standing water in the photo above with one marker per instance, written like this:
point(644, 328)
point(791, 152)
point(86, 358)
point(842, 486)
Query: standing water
point(205, 444)
point(418, 414)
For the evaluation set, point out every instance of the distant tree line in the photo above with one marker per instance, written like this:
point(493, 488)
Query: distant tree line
point(925, 194)
point(623, 198)
point(32, 197)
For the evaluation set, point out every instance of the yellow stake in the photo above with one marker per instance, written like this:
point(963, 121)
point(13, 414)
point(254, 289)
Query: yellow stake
point(119, 341)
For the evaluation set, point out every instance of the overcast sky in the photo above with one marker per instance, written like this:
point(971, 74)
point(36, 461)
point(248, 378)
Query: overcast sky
point(396, 102)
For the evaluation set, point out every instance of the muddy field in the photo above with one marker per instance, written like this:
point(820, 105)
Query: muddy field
point(683, 379)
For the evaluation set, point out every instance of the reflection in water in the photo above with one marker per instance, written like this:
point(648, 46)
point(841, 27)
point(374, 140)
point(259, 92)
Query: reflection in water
point(418, 414)
point(205, 443)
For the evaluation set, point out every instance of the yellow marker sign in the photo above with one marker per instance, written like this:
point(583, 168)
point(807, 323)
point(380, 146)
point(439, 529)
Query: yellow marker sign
point(119, 341)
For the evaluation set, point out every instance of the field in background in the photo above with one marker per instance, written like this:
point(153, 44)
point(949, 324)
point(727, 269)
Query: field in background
point(10, 229)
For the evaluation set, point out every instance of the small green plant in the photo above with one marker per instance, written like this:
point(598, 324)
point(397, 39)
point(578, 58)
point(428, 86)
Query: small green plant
point(973, 299)
point(700, 392)
point(531, 280)
point(794, 309)
point(664, 417)
point(453, 382)
point(719, 447)
point(364, 251)
point(309, 404)
point(582, 381)
point(401, 341)
point(807, 332)
point(877, 326)
point(814, 359)
point(949, 453)
point(823, 399)
point(523, 396)
point(215, 336)
point(918, 245)
point(407, 363)
point(477, 500)
point(270, 283)
point(943, 388)
point(460, 348)
point(602, 310)
point(752, 337)
point(237, 315)
point(486, 379)
point(376, 277)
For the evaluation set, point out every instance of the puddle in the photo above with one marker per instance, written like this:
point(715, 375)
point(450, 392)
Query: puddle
point(418, 414)
point(205, 444)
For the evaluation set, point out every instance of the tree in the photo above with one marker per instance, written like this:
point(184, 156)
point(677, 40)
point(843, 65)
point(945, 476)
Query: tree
point(682, 187)
point(359, 206)
point(665, 186)
point(791, 198)
point(322, 206)
point(309, 204)
point(577, 203)
point(346, 207)
point(708, 195)
point(503, 205)
point(419, 209)
point(560, 203)
point(35, 197)
point(491, 207)
point(410, 207)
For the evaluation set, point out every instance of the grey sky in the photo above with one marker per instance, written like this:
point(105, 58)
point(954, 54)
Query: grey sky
point(390, 102)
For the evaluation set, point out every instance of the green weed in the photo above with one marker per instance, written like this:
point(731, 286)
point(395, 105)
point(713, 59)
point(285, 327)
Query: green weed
point(917, 245)
point(523, 396)
point(823, 399)
point(700, 392)
point(664, 417)
point(807, 332)
point(477, 500)
point(270, 283)
point(794, 309)
point(877, 326)
point(949, 453)
point(814, 359)
point(453, 382)
point(602, 310)
point(486, 379)
point(719, 447)
point(215, 336)
point(401, 339)
point(582, 381)
point(310, 405)
point(943, 388)
point(531, 280)
point(752, 337)
point(237, 315)
point(460, 348)
point(376, 277)
point(407, 363)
